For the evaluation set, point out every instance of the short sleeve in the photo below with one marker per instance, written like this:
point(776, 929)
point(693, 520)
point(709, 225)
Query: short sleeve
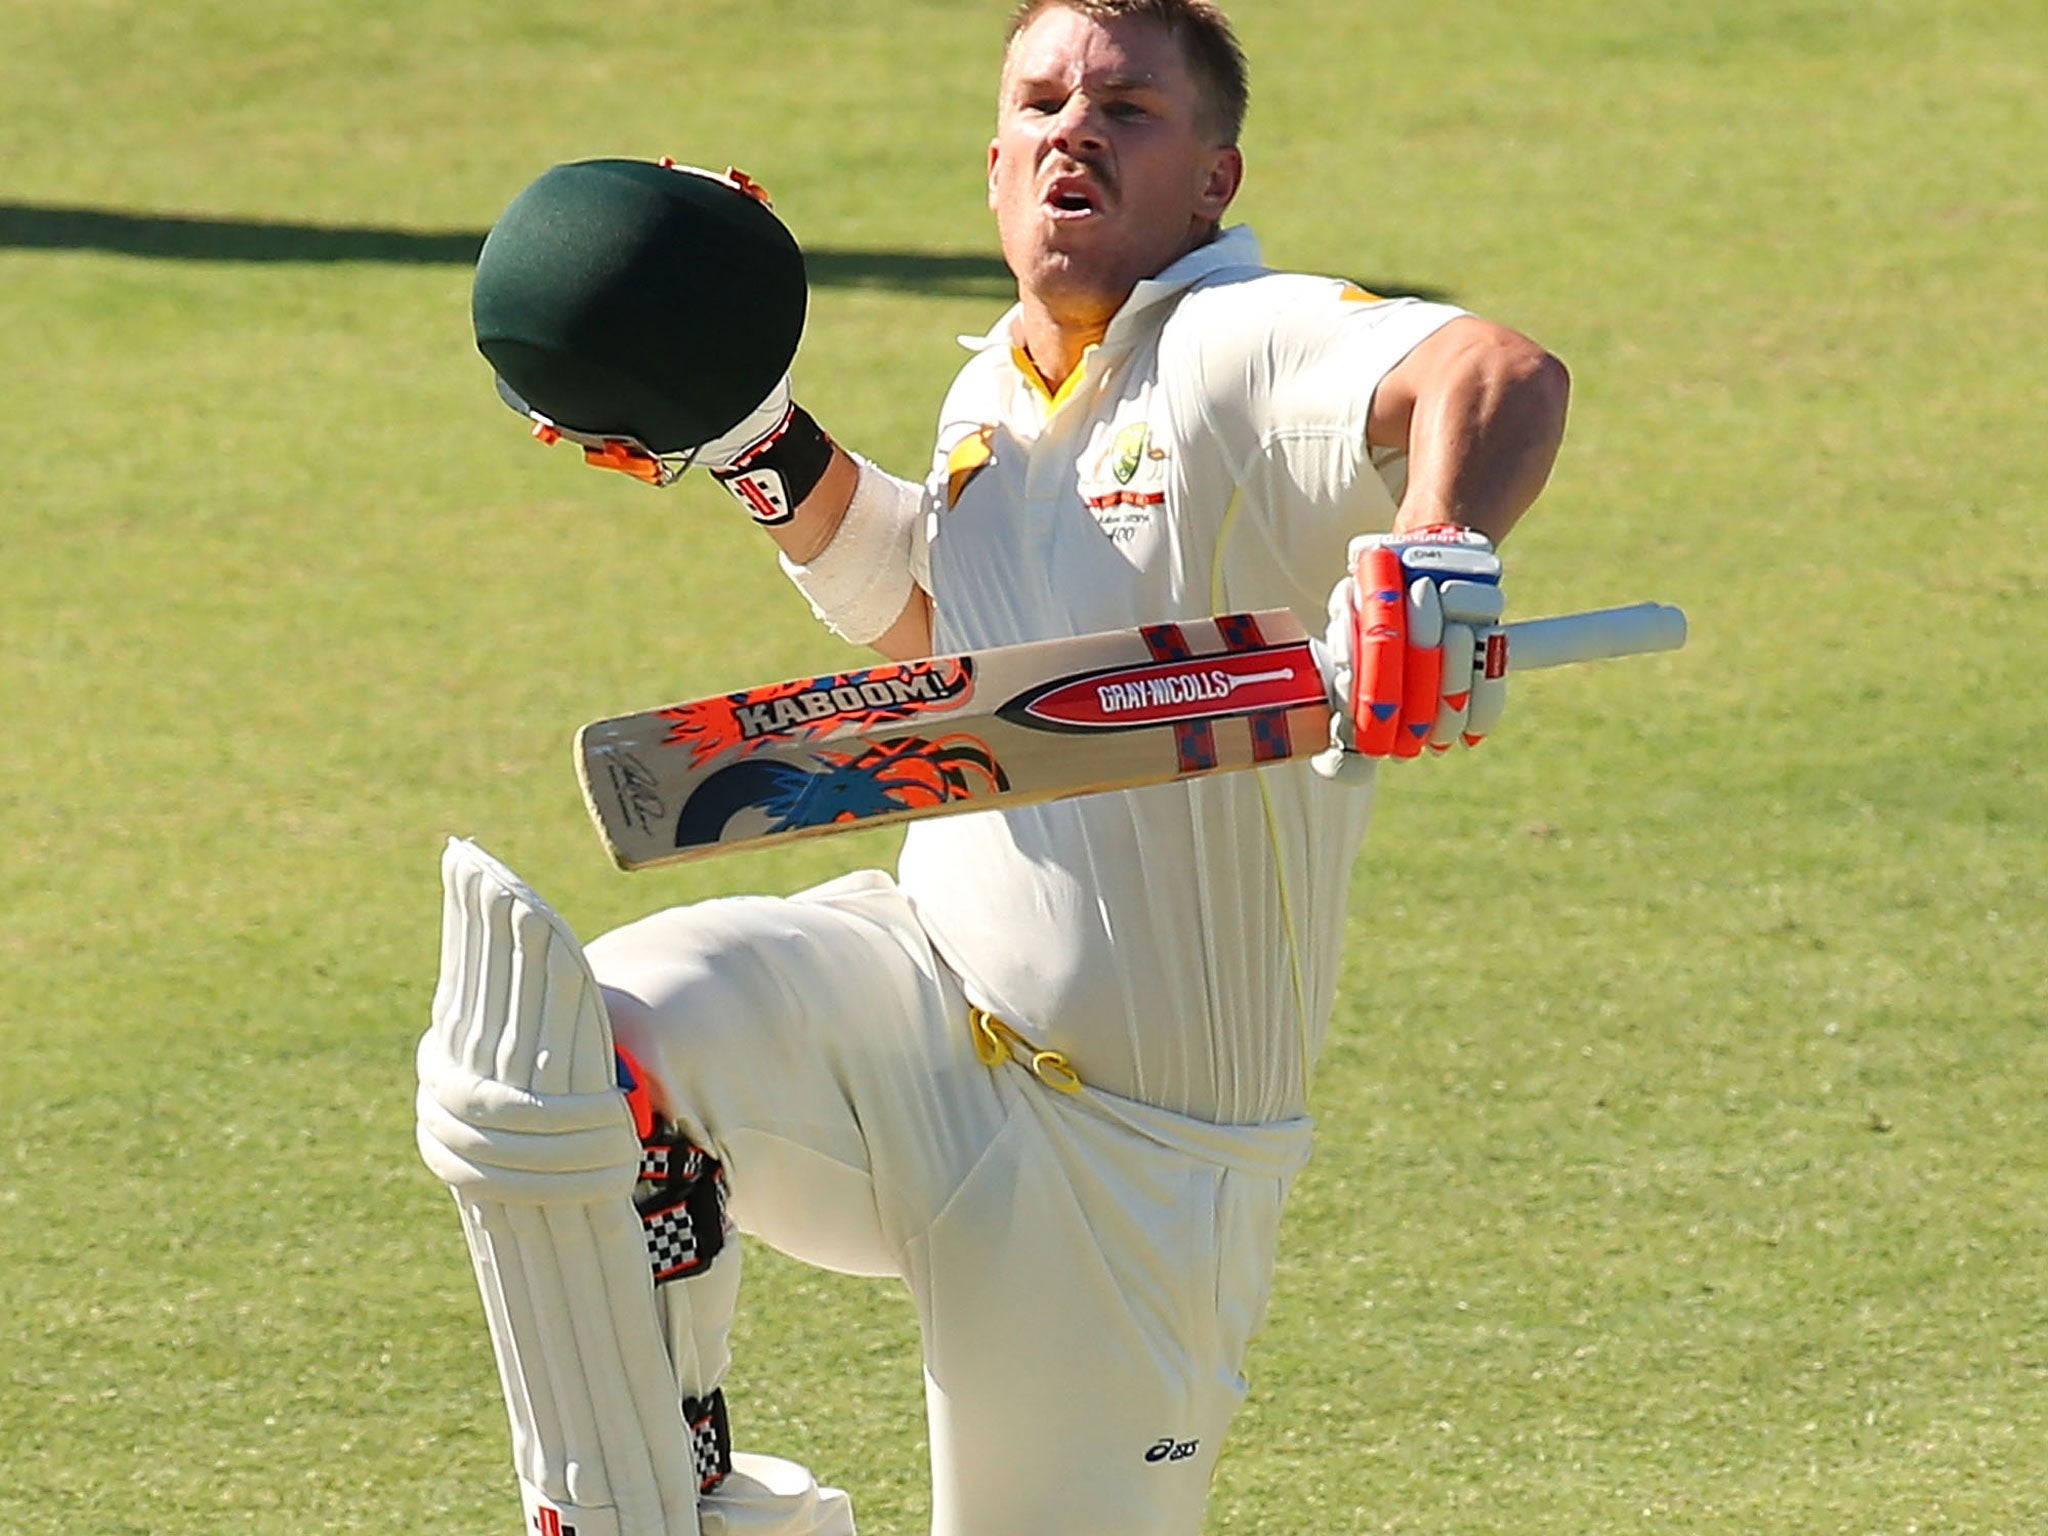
point(1289, 367)
point(1330, 353)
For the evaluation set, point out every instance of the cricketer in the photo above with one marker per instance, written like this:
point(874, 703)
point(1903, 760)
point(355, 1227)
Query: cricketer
point(1052, 1075)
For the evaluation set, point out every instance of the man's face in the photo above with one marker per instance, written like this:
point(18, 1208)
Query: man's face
point(1099, 175)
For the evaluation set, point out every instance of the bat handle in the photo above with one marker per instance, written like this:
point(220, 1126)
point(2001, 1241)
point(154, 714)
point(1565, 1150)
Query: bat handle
point(1596, 635)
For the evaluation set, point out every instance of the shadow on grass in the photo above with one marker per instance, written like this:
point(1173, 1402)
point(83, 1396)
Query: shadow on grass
point(185, 237)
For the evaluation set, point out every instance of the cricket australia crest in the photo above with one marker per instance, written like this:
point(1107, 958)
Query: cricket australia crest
point(1123, 482)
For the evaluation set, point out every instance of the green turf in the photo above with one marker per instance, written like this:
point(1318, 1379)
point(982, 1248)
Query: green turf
point(1681, 1161)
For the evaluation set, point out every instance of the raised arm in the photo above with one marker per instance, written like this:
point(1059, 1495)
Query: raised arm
point(815, 529)
point(1480, 410)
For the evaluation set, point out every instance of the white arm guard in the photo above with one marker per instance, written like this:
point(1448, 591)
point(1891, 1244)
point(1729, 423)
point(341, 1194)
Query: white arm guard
point(858, 583)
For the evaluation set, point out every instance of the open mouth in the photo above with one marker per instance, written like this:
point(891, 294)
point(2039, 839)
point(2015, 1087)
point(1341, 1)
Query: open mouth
point(1072, 196)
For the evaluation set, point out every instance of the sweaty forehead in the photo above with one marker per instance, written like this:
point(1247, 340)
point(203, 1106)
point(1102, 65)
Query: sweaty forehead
point(1064, 46)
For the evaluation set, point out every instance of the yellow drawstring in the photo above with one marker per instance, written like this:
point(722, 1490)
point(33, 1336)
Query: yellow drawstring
point(995, 1043)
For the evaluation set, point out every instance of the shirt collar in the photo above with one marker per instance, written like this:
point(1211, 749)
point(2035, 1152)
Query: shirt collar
point(1235, 247)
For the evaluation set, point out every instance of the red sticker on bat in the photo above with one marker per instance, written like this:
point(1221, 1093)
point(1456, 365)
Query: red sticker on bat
point(1166, 692)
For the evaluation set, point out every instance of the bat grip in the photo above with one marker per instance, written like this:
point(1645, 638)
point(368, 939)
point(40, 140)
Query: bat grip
point(1600, 634)
point(1596, 635)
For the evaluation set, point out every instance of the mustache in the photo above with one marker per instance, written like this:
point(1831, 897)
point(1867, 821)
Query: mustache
point(1070, 165)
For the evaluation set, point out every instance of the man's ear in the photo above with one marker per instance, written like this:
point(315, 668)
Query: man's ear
point(993, 151)
point(1219, 188)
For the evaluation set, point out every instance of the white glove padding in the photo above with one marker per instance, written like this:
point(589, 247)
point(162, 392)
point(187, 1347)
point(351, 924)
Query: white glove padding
point(1412, 647)
point(755, 428)
point(772, 460)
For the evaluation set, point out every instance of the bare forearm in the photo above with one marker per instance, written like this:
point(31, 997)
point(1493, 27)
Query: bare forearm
point(1481, 412)
point(818, 515)
point(910, 637)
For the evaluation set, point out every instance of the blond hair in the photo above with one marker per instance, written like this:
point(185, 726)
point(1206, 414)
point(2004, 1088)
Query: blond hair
point(1206, 41)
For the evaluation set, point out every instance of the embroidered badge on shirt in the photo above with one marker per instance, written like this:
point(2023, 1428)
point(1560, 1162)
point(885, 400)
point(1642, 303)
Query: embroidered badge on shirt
point(1129, 452)
point(1123, 481)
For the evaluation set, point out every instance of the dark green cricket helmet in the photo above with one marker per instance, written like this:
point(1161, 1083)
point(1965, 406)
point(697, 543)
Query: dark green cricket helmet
point(643, 300)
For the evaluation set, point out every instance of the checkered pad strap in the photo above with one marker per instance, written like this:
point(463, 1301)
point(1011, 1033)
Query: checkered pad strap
point(681, 1201)
point(710, 1437)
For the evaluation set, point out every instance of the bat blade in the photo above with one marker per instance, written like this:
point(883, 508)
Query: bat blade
point(1009, 726)
point(1002, 727)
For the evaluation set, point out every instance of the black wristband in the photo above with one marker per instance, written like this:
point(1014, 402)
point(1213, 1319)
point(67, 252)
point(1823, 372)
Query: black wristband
point(772, 478)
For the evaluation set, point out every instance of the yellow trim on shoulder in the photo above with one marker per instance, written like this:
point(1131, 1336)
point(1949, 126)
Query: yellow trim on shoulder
point(1353, 294)
point(970, 456)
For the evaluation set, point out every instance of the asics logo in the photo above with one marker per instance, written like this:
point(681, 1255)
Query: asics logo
point(1170, 1449)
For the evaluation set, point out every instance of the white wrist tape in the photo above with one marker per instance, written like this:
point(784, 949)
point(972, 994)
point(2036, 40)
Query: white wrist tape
point(858, 583)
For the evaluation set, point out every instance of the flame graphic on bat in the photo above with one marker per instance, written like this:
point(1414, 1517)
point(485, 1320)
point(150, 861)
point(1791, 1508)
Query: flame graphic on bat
point(903, 773)
point(776, 714)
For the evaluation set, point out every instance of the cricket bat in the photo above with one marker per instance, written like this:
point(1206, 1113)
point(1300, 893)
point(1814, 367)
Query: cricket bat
point(1004, 727)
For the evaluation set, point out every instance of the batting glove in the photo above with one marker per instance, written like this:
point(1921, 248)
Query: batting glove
point(772, 460)
point(1414, 649)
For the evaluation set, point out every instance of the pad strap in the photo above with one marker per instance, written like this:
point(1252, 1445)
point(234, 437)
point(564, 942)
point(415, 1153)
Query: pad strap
point(681, 1201)
point(710, 1437)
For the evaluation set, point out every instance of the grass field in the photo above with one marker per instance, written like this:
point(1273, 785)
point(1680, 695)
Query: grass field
point(1682, 1162)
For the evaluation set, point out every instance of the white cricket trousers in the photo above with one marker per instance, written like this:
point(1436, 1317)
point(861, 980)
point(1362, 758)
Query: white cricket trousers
point(1088, 1271)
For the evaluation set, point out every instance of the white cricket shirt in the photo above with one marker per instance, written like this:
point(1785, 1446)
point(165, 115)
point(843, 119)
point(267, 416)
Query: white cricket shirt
point(1180, 943)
